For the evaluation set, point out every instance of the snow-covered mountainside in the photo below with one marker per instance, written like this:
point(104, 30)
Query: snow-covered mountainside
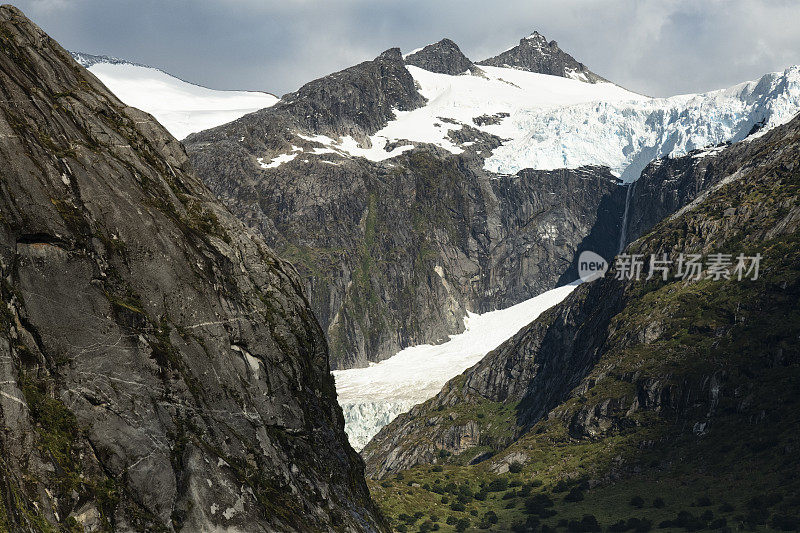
point(626, 135)
point(550, 122)
point(372, 397)
point(181, 107)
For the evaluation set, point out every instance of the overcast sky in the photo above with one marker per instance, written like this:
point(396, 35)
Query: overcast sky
point(656, 47)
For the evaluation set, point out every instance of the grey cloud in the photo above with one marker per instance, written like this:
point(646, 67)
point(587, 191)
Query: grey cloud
point(657, 47)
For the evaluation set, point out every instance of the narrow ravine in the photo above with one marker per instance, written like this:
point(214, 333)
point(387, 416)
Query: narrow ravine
point(623, 232)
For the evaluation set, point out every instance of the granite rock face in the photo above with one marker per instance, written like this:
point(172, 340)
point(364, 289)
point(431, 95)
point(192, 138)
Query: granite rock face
point(535, 54)
point(444, 57)
point(395, 253)
point(161, 367)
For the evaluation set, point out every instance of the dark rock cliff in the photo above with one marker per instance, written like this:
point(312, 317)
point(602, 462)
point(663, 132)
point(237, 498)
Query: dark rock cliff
point(444, 57)
point(535, 54)
point(161, 367)
point(614, 348)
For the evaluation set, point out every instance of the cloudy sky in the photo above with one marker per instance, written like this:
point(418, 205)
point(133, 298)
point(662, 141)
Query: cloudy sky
point(656, 47)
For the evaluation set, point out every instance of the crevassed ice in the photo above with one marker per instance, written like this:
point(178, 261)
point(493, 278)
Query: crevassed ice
point(372, 397)
point(558, 122)
point(625, 136)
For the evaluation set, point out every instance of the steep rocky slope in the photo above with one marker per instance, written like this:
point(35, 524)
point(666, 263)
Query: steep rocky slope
point(395, 253)
point(535, 54)
point(161, 368)
point(686, 369)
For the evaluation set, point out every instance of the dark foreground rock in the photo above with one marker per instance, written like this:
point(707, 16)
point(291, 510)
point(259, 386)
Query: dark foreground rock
point(161, 368)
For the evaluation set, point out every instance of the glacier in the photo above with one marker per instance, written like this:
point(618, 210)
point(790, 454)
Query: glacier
point(555, 122)
point(372, 397)
point(626, 136)
point(181, 107)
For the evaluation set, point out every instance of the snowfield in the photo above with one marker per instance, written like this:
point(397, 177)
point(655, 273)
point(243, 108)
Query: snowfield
point(556, 122)
point(626, 136)
point(372, 397)
point(181, 107)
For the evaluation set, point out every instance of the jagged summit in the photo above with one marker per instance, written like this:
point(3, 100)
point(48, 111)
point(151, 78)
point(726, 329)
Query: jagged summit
point(444, 57)
point(535, 53)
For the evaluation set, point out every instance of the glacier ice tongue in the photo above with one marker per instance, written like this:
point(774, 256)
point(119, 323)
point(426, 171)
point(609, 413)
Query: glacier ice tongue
point(627, 135)
point(372, 397)
point(552, 122)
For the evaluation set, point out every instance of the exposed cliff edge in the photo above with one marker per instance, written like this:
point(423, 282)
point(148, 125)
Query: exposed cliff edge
point(161, 368)
point(395, 253)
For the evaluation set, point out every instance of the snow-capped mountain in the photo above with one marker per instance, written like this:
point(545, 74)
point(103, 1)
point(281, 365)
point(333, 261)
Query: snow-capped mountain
point(181, 107)
point(550, 122)
point(372, 397)
point(412, 190)
point(312, 170)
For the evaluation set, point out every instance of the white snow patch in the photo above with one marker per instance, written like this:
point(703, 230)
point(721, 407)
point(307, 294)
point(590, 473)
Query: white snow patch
point(347, 146)
point(372, 397)
point(277, 161)
point(181, 107)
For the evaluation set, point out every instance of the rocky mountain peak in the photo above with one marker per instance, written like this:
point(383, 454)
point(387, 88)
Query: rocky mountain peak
point(356, 101)
point(535, 53)
point(392, 54)
point(444, 57)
